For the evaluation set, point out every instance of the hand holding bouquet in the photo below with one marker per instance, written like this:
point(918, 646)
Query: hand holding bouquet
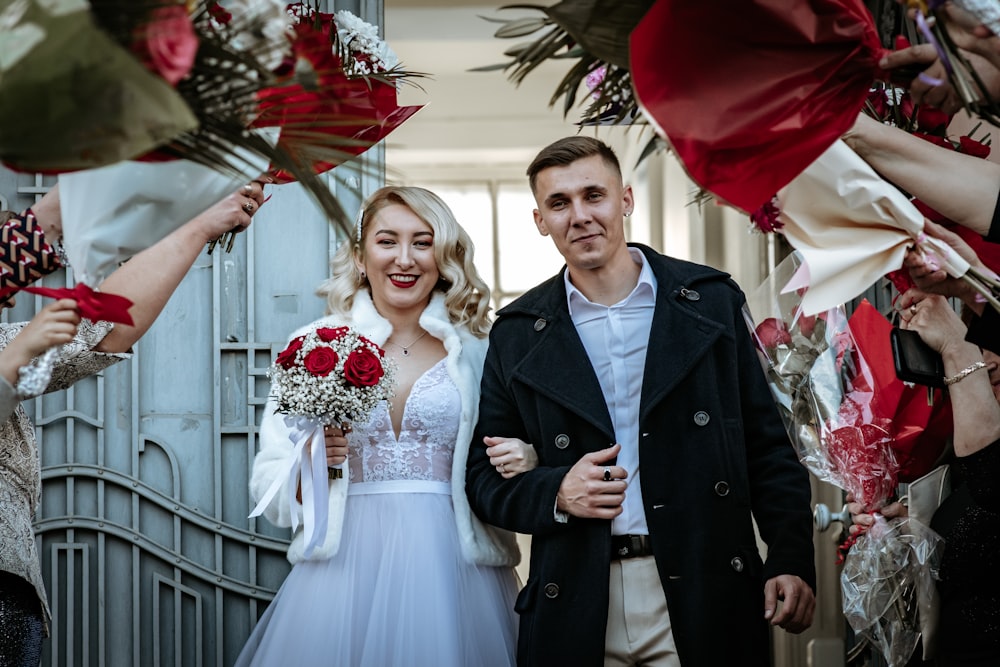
point(328, 375)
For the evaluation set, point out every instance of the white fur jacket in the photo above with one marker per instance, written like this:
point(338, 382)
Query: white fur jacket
point(481, 543)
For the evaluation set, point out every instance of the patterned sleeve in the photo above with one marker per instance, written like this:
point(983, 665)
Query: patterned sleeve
point(77, 359)
point(8, 399)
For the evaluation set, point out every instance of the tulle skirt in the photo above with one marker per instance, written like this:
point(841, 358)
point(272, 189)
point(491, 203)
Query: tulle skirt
point(398, 593)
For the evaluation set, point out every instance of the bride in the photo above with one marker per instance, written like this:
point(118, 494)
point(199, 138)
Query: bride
point(406, 575)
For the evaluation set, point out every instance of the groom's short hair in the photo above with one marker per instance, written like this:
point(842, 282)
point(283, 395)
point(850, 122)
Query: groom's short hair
point(567, 151)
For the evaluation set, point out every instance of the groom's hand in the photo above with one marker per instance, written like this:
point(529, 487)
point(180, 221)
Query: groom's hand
point(593, 488)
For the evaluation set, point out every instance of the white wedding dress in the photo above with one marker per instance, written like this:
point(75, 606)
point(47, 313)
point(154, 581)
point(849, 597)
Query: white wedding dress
point(398, 593)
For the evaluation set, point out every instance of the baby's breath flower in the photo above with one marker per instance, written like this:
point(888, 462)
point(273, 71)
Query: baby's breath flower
point(317, 386)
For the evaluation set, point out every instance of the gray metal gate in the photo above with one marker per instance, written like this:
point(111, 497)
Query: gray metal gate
point(146, 549)
point(148, 555)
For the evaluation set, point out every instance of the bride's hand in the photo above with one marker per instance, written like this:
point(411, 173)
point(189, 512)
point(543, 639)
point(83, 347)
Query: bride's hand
point(336, 443)
point(511, 456)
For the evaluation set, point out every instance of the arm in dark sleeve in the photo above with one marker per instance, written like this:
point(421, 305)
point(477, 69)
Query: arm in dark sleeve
point(984, 330)
point(980, 471)
point(525, 503)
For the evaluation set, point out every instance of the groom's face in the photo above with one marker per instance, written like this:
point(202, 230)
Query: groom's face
point(581, 206)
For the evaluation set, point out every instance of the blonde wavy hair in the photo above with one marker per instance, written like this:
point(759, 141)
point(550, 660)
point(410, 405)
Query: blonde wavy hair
point(466, 296)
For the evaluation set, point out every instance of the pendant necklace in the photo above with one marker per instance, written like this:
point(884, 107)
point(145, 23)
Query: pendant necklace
point(406, 348)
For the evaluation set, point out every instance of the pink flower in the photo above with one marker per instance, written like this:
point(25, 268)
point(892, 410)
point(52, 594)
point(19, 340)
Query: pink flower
point(595, 79)
point(169, 43)
point(772, 332)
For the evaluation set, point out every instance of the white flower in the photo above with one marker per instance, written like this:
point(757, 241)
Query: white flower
point(360, 40)
point(261, 27)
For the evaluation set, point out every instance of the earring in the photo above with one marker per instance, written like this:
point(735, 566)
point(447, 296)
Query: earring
point(363, 276)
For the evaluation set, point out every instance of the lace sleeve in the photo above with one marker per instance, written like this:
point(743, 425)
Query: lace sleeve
point(76, 359)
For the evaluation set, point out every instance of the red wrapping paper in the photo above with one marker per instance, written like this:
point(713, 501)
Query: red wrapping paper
point(95, 306)
point(361, 110)
point(919, 429)
point(748, 94)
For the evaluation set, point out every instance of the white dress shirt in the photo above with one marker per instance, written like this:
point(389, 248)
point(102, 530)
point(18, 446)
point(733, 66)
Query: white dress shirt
point(616, 338)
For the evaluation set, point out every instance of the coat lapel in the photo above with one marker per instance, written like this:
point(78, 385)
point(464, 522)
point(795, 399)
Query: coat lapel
point(678, 339)
point(557, 365)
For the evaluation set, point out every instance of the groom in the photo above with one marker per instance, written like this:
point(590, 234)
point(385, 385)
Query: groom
point(634, 377)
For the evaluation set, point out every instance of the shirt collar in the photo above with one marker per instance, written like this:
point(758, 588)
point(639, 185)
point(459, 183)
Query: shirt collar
point(644, 290)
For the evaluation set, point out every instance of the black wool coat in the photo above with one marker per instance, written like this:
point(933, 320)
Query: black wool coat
point(713, 453)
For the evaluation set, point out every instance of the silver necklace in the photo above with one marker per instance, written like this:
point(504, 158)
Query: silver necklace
point(406, 348)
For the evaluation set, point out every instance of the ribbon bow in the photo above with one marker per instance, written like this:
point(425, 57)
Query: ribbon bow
point(95, 306)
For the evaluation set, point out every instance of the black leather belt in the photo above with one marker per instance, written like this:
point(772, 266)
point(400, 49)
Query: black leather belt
point(630, 546)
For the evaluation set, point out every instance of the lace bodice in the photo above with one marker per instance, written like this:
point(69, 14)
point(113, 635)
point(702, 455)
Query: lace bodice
point(426, 440)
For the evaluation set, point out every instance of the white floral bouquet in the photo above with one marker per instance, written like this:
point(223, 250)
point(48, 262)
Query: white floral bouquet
point(328, 375)
point(332, 375)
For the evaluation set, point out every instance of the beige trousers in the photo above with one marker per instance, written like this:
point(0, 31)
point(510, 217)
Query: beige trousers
point(639, 632)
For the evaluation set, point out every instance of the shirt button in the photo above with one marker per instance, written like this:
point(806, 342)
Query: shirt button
point(701, 418)
point(736, 563)
point(562, 441)
point(722, 489)
point(551, 591)
point(540, 324)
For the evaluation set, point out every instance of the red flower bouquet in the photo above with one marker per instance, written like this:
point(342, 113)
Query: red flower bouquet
point(840, 420)
point(328, 375)
point(331, 375)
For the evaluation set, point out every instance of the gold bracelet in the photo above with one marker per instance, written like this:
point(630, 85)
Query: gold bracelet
point(965, 372)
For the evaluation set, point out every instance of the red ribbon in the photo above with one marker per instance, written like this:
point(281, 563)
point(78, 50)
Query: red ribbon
point(95, 306)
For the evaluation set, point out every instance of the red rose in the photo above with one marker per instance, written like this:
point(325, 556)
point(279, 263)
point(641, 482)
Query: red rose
point(772, 332)
point(970, 146)
point(286, 358)
point(320, 361)
point(940, 141)
point(807, 324)
point(930, 119)
point(363, 368)
point(328, 335)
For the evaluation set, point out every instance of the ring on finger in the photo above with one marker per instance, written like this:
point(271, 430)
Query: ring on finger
point(913, 309)
point(248, 207)
point(607, 474)
point(247, 190)
point(501, 468)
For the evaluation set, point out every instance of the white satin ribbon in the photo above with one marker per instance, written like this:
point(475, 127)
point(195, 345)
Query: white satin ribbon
point(309, 468)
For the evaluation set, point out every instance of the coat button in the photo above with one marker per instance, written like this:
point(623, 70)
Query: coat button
point(722, 489)
point(701, 418)
point(736, 563)
point(540, 324)
point(562, 441)
point(690, 294)
point(551, 591)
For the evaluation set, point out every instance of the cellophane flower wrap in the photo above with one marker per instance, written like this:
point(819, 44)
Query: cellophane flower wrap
point(828, 400)
point(328, 375)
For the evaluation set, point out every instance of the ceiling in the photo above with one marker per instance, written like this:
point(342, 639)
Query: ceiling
point(472, 120)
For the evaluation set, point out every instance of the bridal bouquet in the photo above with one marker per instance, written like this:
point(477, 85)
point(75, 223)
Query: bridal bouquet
point(840, 422)
point(331, 375)
point(328, 375)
